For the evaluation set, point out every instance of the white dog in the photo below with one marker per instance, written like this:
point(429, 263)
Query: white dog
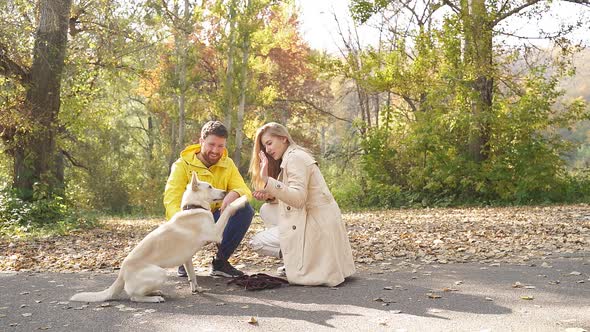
point(173, 243)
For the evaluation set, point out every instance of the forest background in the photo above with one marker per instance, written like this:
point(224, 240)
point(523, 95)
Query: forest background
point(449, 104)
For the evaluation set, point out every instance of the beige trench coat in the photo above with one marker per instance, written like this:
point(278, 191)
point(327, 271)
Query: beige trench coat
point(313, 238)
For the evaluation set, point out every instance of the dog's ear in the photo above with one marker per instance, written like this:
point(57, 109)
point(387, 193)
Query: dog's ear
point(195, 181)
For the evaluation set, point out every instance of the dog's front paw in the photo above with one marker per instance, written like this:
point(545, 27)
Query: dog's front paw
point(200, 290)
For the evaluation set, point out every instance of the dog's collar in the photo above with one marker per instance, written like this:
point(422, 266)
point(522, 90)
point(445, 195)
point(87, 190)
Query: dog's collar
point(194, 206)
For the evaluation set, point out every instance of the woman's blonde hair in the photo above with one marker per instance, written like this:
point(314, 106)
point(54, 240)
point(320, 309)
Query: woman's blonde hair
point(274, 166)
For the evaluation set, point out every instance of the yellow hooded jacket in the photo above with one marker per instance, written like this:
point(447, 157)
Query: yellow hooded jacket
point(223, 175)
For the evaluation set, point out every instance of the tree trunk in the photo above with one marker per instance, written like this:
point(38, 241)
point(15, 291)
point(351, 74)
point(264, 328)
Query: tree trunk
point(36, 160)
point(241, 108)
point(180, 26)
point(173, 154)
point(478, 56)
point(182, 44)
point(376, 108)
point(323, 141)
point(151, 140)
point(229, 78)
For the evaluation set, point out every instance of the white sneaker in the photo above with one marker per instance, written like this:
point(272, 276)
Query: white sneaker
point(281, 271)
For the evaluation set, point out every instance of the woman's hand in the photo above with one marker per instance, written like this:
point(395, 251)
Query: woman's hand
point(262, 195)
point(263, 166)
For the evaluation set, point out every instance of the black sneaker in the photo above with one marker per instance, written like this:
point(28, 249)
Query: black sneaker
point(224, 269)
point(182, 272)
point(281, 271)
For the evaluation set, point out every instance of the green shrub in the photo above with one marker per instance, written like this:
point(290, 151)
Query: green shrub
point(47, 215)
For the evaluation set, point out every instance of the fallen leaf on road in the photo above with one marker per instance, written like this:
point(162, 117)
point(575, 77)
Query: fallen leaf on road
point(27, 314)
point(380, 299)
point(575, 273)
point(482, 235)
point(434, 296)
point(527, 297)
point(253, 321)
point(446, 289)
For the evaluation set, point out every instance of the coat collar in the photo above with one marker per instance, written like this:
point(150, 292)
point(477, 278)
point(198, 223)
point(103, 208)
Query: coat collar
point(290, 149)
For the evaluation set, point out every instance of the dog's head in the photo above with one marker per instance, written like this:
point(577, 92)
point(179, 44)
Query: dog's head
point(197, 192)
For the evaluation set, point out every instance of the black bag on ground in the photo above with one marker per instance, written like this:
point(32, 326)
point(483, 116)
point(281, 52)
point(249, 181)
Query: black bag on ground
point(258, 281)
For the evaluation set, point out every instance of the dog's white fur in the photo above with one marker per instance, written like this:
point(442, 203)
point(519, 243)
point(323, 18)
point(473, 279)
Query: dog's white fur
point(173, 243)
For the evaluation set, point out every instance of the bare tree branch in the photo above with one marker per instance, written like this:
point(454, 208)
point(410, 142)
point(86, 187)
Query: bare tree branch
point(513, 11)
point(9, 67)
point(315, 107)
point(73, 160)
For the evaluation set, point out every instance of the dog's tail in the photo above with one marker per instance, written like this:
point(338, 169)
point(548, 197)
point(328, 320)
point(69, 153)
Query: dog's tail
point(105, 295)
point(229, 211)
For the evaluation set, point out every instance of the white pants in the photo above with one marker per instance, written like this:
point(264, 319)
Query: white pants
point(267, 242)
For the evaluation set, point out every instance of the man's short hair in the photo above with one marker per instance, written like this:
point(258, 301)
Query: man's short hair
point(214, 128)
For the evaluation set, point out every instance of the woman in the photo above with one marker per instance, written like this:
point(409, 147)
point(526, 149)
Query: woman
point(306, 224)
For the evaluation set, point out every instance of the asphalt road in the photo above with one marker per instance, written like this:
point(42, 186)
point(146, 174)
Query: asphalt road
point(545, 295)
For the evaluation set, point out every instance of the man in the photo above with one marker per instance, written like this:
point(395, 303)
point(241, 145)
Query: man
point(209, 159)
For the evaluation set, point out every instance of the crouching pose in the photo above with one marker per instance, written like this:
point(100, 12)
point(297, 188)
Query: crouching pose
point(304, 223)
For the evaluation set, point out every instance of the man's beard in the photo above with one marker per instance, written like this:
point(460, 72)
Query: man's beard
point(209, 160)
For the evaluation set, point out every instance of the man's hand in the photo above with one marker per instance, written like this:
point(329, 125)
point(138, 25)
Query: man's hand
point(230, 197)
point(261, 195)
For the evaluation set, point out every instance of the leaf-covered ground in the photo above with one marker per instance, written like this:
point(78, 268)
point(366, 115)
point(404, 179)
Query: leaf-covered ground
point(422, 236)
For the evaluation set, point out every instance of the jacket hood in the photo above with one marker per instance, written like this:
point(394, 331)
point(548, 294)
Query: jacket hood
point(189, 155)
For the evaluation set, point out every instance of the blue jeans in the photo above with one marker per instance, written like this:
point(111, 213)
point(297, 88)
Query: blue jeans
point(234, 232)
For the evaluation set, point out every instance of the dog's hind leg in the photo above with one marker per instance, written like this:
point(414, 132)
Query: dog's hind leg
point(192, 278)
point(147, 280)
point(149, 299)
point(156, 293)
